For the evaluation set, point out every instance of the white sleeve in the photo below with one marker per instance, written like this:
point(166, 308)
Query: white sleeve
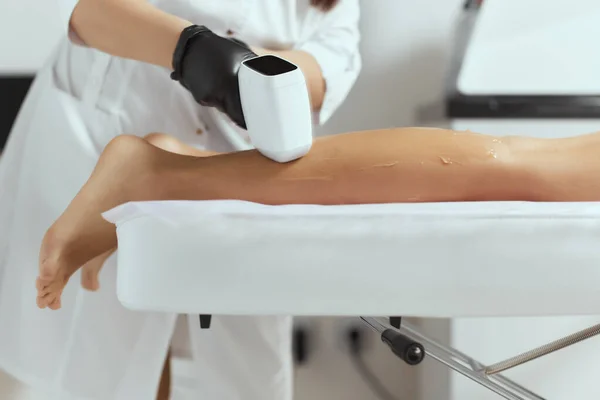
point(335, 46)
point(66, 8)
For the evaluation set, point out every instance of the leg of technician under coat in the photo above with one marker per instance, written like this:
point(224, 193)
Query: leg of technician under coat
point(164, 388)
point(246, 358)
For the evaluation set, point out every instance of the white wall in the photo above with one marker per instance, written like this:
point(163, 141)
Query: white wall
point(550, 40)
point(29, 29)
point(405, 47)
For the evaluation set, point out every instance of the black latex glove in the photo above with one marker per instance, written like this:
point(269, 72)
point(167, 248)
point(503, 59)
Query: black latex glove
point(207, 65)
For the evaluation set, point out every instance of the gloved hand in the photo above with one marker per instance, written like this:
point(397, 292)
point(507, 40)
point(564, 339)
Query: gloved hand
point(207, 65)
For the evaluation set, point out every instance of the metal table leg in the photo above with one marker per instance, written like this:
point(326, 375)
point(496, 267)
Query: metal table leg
point(459, 362)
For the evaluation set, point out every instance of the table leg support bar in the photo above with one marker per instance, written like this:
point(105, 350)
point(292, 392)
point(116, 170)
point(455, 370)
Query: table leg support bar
point(543, 350)
point(455, 360)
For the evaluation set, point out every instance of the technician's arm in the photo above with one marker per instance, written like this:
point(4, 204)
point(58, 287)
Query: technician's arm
point(128, 28)
point(204, 63)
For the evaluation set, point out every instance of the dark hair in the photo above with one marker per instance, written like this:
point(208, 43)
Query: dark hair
point(324, 5)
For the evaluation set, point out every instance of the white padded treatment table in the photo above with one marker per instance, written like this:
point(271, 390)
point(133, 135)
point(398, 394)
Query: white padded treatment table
point(385, 260)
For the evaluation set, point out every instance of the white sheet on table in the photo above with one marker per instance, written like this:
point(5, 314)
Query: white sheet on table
point(428, 259)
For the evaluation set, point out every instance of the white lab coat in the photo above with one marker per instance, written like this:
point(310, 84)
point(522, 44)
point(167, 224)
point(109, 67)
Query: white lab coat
point(93, 348)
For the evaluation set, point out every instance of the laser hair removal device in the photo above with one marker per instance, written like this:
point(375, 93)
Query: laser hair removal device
point(276, 107)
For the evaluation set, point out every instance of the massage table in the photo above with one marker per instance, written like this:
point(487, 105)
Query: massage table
point(377, 262)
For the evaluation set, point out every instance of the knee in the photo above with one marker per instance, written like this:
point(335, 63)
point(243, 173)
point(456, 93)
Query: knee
point(165, 142)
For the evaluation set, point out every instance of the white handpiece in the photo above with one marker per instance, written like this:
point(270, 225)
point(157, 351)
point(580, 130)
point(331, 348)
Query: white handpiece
point(276, 107)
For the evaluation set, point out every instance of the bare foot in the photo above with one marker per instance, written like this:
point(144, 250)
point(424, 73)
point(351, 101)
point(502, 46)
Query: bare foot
point(91, 270)
point(122, 174)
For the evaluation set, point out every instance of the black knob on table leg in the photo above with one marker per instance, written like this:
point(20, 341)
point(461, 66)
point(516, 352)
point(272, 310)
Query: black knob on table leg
point(407, 349)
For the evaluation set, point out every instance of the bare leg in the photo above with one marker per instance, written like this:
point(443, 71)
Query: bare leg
point(91, 270)
point(173, 145)
point(396, 165)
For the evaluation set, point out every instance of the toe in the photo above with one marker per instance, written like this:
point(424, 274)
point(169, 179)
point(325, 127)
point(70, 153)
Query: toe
point(50, 300)
point(48, 288)
point(89, 279)
point(49, 294)
point(43, 287)
point(56, 304)
point(42, 302)
point(90, 272)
